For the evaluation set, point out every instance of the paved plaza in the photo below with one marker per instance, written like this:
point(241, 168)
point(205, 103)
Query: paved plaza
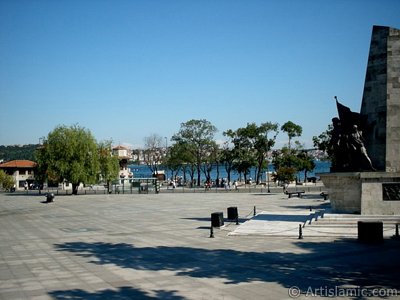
point(149, 246)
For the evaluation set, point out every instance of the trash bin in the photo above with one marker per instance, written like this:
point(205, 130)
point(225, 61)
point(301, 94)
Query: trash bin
point(370, 231)
point(217, 219)
point(232, 213)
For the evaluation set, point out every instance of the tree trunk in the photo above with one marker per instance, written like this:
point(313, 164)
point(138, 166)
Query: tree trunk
point(108, 186)
point(305, 175)
point(258, 174)
point(198, 175)
point(75, 189)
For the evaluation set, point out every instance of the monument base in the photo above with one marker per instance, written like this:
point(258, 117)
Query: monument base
point(365, 193)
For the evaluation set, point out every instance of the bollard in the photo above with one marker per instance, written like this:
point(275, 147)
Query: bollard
point(237, 220)
point(370, 231)
point(300, 232)
point(232, 213)
point(211, 232)
point(254, 213)
point(310, 208)
point(396, 236)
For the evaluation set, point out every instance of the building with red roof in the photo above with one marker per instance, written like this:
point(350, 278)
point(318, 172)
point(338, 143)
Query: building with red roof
point(23, 172)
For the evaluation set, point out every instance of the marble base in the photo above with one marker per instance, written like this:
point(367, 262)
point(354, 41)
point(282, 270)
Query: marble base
point(361, 192)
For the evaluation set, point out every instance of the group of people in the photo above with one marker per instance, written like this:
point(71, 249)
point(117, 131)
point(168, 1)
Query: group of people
point(208, 184)
point(221, 182)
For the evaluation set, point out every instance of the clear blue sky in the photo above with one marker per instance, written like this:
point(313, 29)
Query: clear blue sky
point(128, 69)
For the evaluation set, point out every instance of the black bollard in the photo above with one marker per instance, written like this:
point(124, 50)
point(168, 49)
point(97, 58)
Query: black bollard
point(211, 232)
point(396, 236)
point(310, 208)
point(300, 232)
point(237, 220)
point(254, 213)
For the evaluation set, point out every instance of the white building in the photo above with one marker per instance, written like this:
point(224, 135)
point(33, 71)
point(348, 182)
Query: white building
point(23, 172)
point(124, 155)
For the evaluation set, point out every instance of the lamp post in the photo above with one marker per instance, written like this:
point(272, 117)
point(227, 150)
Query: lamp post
point(166, 153)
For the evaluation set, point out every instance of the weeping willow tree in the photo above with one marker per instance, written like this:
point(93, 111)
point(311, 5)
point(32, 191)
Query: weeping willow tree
point(69, 154)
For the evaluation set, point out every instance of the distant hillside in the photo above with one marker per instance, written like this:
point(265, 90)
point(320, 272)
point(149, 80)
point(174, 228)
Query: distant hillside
point(13, 152)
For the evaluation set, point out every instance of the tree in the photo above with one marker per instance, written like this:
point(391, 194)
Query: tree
point(6, 181)
point(69, 154)
point(199, 137)
point(305, 163)
point(262, 144)
point(284, 161)
point(109, 164)
point(285, 175)
point(292, 130)
point(14, 152)
point(175, 158)
point(210, 159)
point(323, 142)
point(253, 143)
point(153, 152)
point(242, 152)
point(228, 158)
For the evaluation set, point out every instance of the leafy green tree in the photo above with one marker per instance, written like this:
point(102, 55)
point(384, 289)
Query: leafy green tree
point(262, 144)
point(285, 162)
point(285, 175)
point(323, 142)
point(6, 181)
point(175, 158)
point(69, 154)
point(305, 163)
point(14, 152)
point(284, 157)
point(252, 144)
point(242, 152)
point(292, 130)
point(199, 137)
point(227, 157)
point(210, 159)
point(109, 164)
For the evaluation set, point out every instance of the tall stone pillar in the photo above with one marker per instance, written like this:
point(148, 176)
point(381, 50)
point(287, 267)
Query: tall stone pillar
point(381, 99)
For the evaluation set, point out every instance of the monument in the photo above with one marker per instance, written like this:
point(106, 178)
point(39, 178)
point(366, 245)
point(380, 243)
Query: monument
point(365, 175)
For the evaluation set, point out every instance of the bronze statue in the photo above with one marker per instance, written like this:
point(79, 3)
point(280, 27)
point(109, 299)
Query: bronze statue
point(349, 152)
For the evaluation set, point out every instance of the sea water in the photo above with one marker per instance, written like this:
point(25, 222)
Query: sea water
point(143, 171)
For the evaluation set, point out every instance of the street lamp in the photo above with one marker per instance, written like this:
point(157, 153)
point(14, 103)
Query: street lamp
point(166, 152)
point(268, 178)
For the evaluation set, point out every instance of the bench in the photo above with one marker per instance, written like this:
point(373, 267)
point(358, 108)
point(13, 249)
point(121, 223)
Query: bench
point(298, 193)
point(325, 195)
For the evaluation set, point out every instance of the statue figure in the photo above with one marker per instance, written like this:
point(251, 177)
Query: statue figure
point(349, 152)
point(358, 150)
point(338, 144)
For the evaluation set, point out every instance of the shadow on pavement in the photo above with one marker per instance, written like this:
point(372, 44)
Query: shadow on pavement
point(121, 293)
point(318, 264)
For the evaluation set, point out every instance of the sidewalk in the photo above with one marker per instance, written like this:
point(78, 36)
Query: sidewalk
point(159, 247)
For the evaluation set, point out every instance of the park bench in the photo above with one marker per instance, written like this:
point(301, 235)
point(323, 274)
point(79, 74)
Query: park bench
point(298, 193)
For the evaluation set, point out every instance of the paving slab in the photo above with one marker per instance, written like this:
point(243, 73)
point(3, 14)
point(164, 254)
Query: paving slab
point(159, 247)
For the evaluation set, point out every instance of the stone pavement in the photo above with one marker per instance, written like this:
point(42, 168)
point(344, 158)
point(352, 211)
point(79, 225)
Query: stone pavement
point(158, 247)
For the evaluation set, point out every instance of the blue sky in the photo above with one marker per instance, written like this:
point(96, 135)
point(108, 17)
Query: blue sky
point(128, 69)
